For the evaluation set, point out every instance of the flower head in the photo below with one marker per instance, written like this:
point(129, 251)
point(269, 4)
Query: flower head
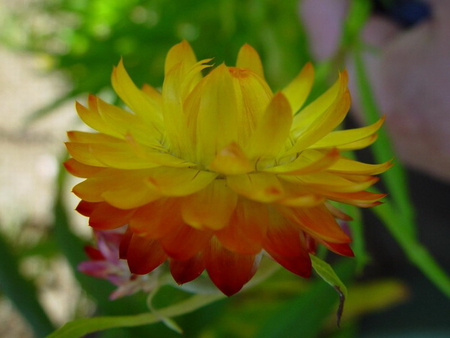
point(217, 169)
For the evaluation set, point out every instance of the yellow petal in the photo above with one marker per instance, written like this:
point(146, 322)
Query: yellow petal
point(248, 58)
point(92, 117)
point(84, 137)
point(122, 123)
point(120, 188)
point(307, 163)
point(211, 207)
point(260, 187)
point(360, 144)
point(144, 105)
point(273, 129)
point(180, 53)
point(82, 153)
point(179, 181)
point(298, 90)
point(217, 120)
point(231, 161)
point(319, 123)
point(343, 137)
point(176, 124)
point(347, 166)
point(330, 182)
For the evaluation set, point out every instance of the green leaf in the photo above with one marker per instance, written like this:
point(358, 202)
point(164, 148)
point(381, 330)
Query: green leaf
point(305, 315)
point(327, 273)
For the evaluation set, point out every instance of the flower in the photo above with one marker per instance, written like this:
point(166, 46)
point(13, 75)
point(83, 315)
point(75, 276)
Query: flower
point(105, 264)
point(216, 170)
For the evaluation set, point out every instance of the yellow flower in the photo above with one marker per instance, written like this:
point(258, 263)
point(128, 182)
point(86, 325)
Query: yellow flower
point(216, 170)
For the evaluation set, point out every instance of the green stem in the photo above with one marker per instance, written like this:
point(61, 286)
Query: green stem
point(81, 327)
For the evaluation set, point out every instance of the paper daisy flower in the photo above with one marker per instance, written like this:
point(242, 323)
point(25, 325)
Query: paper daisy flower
point(215, 171)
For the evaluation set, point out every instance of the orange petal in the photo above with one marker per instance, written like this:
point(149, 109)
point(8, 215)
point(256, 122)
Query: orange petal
point(318, 222)
point(210, 208)
point(228, 270)
point(185, 242)
point(86, 208)
point(106, 217)
point(246, 229)
point(144, 255)
point(343, 249)
point(187, 270)
point(286, 244)
point(125, 243)
point(157, 219)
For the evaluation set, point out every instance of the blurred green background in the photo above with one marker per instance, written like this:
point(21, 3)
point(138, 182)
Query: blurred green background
point(67, 49)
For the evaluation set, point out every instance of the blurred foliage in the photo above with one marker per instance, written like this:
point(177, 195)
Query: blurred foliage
point(88, 37)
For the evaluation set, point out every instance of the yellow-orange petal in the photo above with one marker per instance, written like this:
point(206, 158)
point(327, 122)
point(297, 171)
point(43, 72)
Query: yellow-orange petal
point(81, 170)
point(318, 222)
point(144, 255)
point(211, 207)
point(362, 199)
point(246, 229)
point(298, 90)
point(248, 58)
point(272, 130)
point(185, 242)
point(170, 181)
point(158, 218)
point(228, 270)
point(187, 270)
point(260, 187)
point(231, 160)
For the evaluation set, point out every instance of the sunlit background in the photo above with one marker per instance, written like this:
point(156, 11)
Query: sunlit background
point(53, 52)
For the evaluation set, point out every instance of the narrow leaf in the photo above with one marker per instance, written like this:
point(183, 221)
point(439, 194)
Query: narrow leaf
point(327, 273)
